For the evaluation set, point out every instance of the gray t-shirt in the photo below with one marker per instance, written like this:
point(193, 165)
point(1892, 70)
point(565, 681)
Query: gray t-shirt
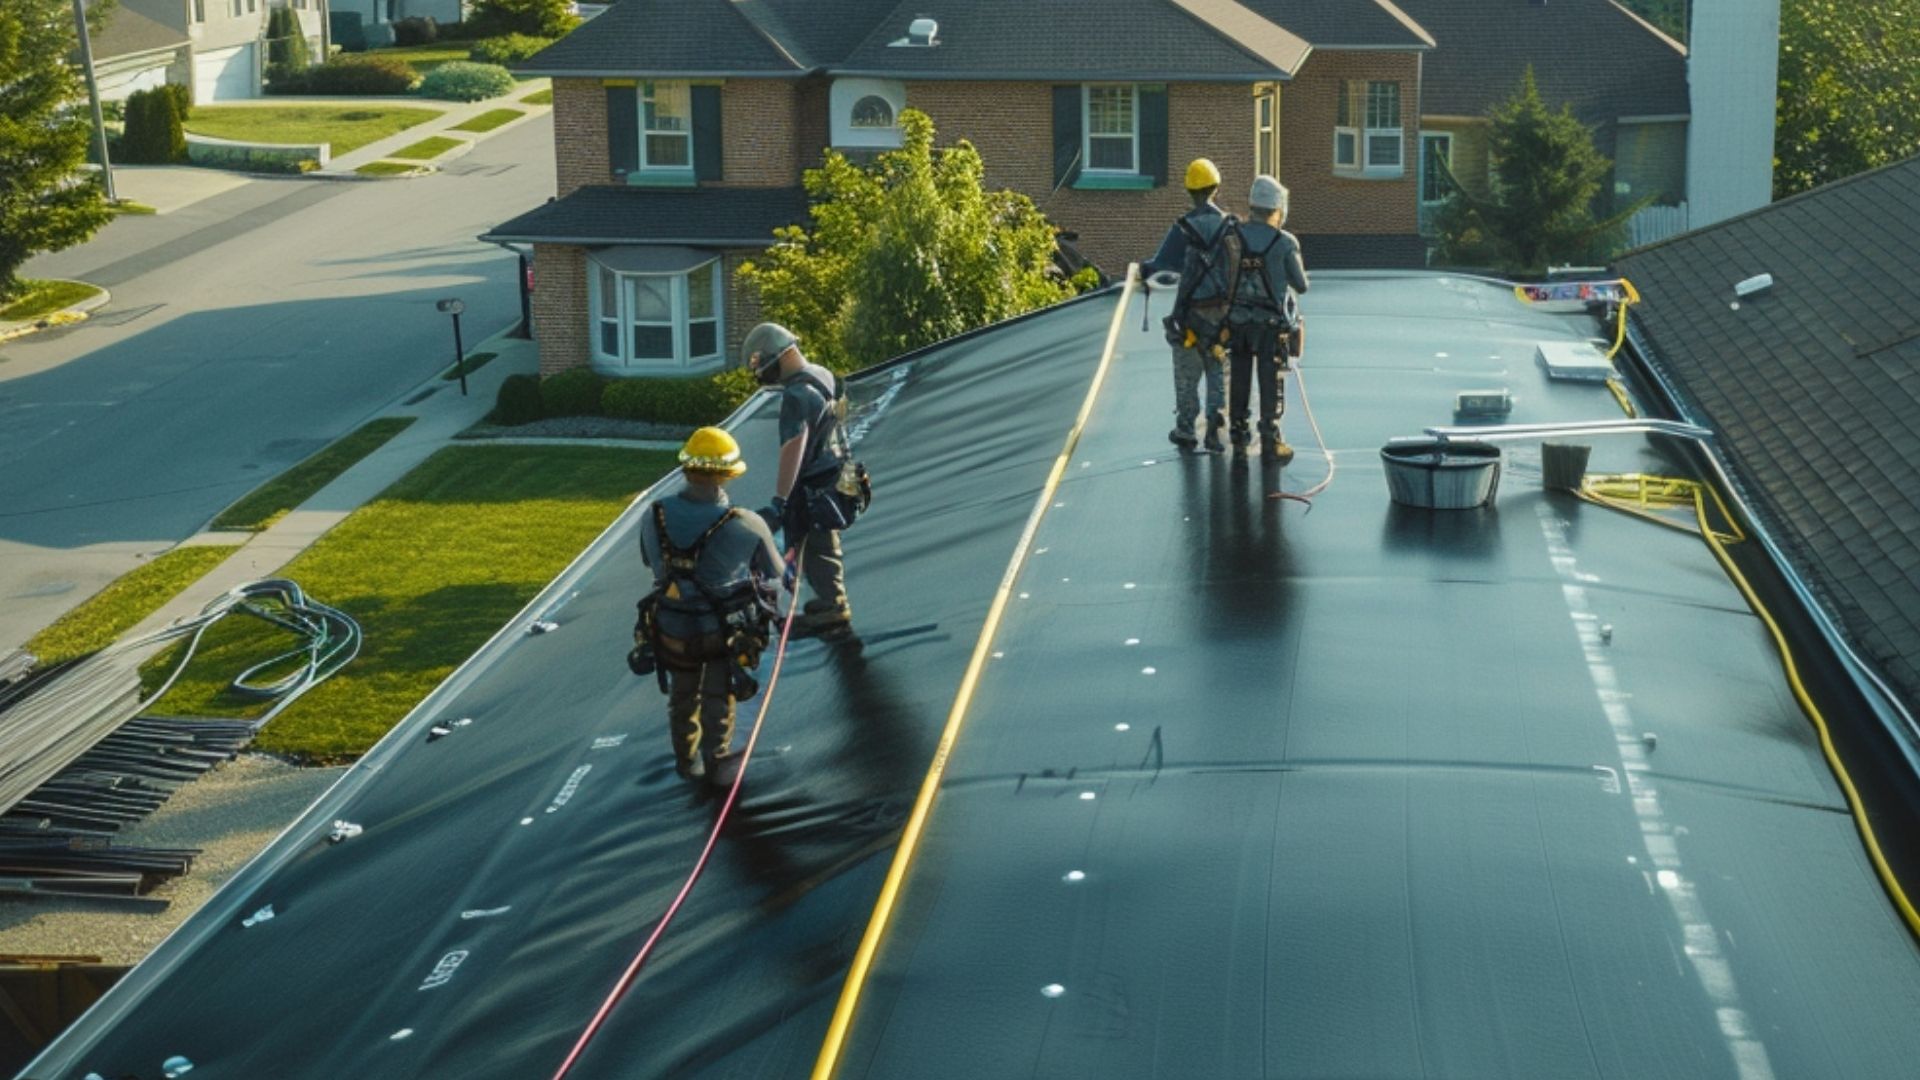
point(802, 407)
point(738, 551)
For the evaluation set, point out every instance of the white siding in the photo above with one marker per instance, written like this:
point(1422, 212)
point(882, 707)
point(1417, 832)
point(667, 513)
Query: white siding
point(1732, 72)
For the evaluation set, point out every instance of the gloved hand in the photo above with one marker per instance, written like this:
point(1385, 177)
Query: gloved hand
point(789, 579)
point(1176, 331)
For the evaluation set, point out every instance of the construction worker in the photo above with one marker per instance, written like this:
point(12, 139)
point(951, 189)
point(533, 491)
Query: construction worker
point(715, 570)
point(1199, 307)
point(813, 457)
point(1264, 313)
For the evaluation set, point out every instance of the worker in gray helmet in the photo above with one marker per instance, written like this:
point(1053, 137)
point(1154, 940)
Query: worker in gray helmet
point(1264, 315)
point(1199, 307)
point(813, 450)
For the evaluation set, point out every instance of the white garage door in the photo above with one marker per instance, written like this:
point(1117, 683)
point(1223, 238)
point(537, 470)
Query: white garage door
point(225, 74)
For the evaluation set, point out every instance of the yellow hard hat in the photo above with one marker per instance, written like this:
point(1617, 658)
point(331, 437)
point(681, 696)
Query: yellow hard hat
point(711, 450)
point(1202, 174)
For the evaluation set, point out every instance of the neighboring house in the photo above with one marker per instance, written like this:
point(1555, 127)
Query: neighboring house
point(1733, 71)
point(1624, 79)
point(1813, 386)
point(682, 129)
point(378, 16)
point(217, 47)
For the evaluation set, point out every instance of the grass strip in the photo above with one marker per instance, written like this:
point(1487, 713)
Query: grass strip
point(424, 58)
point(120, 606)
point(266, 504)
point(431, 569)
point(126, 207)
point(44, 297)
point(427, 149)
point(346, 127)
point(475, 361)
point(489, 120)
point(387, 168)
point(541, 97)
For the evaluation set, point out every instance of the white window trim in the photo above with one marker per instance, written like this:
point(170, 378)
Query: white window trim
point(1266, 136)
point(1424, 136)
point(681, 308)
point(640, 92)
point(1086, 129)
point(1362, 167)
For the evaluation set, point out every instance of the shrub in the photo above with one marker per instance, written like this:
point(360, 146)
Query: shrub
point(286, 43)
point(182, 99)
point(681, 402)
point(541, 18)
point(461, 80)
point(356, 73)
point(153, 134)
point(506, 49)
point(519, 401)
point(418, 30)
point(573, 392)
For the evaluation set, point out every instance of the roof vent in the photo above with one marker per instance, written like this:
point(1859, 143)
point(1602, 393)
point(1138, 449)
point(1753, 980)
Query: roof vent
point(1754, 284)
point(922, 33)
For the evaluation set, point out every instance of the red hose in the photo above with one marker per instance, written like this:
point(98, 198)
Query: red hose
point(700, 865)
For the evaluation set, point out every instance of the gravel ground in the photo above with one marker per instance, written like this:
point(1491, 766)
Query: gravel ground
point(230, 814)
point(580, 427)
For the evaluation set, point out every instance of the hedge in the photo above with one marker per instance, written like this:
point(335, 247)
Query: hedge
point(153, 133)
point(519, 401)
point(507, 49)
point(574, 392)
point(463, 80)
point(352, 73)
point(688, 402)
point(418, 30)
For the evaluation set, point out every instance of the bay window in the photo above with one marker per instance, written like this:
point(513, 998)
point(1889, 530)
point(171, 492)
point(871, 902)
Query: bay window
point(652, 319)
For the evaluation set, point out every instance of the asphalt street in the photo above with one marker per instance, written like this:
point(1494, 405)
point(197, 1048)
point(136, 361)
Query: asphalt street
point(245, 332)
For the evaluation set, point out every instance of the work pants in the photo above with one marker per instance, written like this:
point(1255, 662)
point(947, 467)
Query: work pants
point(824, 568)
point(700, 711)
point(1190, 366)
point(1254, 355)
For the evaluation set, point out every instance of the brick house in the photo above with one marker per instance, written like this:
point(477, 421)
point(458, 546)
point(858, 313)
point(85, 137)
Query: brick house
point(682, 128)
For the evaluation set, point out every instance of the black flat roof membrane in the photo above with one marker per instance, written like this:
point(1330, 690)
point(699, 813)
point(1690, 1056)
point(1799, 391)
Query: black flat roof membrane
point(1244, 791)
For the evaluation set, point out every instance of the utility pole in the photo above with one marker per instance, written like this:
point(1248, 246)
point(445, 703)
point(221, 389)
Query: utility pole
point(93, 93)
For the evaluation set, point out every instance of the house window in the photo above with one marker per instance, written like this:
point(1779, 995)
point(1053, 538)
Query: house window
point(233, 7)
point(666, 126)
point(199, 11)
point(655, 321)
point(253, 7)
point(1436, 151)
point(1367, 136)
point(1112, 126)
point(872, 111)
point(1266, 133)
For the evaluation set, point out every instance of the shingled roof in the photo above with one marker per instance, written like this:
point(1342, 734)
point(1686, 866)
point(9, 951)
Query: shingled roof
point(1595, 54)
point(1813, 385)
point(686, 38)
point(704, 216)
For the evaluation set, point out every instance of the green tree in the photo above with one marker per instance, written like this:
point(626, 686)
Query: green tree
point(903, 252)
point(288, 56)
point(1546, 176)
point(1849, 89)
point(154, 135)
point(541, 18)
point(47, 202)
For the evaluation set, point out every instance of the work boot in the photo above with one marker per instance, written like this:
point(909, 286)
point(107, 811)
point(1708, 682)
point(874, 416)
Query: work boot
point(723, 770)
point(822, 618)
point(1241, 437)
point(689, 769)
point(1279, 451)
point(1182, 436)
point(1212, 442)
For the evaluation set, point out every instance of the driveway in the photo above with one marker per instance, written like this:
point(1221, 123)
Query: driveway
point(246, 331)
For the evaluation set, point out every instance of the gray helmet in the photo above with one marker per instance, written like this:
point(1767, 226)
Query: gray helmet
point(1268, 194)
point(768, 340)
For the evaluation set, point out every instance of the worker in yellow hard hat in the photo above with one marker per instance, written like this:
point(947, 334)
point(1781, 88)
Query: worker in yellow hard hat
point(1199, 311)
point(715, 594)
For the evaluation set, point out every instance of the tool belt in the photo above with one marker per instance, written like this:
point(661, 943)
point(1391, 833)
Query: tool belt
point(831, 502)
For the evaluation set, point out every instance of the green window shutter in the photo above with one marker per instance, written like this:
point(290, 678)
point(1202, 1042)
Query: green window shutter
point(1153, 133)
point(623, 129)
point(1066, 134)
point(706, 133)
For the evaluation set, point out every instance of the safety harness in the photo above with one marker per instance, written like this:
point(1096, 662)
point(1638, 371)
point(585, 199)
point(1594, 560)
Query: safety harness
point(732, 625)
point(1199, 320)
point(833, 500)
point(1256, 311)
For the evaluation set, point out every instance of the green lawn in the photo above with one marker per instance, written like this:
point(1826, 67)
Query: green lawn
point(427, 149)
point(386, 168)
point(265, 504)
point(95, 624)
point(489, 120)
point(543, 97)
point(129, 207)
point(475, 361)
point(425, 58)
point(46, 297)
point(347, 127)
point(431, 569)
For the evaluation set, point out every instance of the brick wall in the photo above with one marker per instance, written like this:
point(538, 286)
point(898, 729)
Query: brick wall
point(560, 306)
point(579, 134)
point(1012, 125)
point(812, 131)
point(1323, 202)
point(757, 130)
point(743, 304)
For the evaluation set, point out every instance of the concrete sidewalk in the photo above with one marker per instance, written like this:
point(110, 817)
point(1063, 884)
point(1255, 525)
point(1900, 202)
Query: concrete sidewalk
point(456, 112)
point(167, 188)
point(441, 416)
